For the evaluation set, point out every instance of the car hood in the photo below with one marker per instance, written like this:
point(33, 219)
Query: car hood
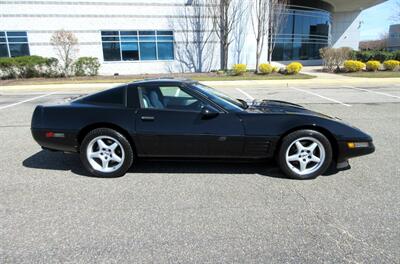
point(274, 106)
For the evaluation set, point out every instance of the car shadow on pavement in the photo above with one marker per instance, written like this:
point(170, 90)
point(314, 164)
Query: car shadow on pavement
point(70, 162)
point(60, 161)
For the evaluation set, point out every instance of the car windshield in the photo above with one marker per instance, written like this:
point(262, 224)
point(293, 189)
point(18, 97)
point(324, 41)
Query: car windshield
point(222, 99)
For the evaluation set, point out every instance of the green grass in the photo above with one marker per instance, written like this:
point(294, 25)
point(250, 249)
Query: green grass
point(124, 79)
point(379, 74)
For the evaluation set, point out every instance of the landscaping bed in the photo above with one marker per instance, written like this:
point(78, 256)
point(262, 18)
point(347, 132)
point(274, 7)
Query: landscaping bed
point(378, 74)
point(212, 76)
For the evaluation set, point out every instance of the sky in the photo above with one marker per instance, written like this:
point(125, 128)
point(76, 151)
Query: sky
point(377, 19)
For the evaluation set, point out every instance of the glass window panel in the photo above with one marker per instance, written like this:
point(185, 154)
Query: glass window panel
point(152, 38)
point(148, 51)
point(111, 51)
point(3, 50)
point(134, 33)
point(130, 51)
point(2, 33)
point(164, 32)
point(128, 38)
point(109, 33)
point(165, 38)
point(165, 50)
point(16, 33)
point(2, 39)
point(17, 39)
point(110, 38)
point(19, 50)
point(146, 33)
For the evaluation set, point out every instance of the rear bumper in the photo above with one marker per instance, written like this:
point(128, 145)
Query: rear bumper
point(345, 153)
point(67, 143)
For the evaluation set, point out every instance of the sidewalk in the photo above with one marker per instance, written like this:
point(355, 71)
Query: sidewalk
point(322, 80)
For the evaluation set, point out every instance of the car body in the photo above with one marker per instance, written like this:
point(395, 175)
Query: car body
point(171, 118)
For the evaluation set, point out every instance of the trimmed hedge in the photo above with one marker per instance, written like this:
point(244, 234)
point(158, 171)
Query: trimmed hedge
point(391, 65)
point(265, 68)
point(86, 66)
point(37, 66)
point(380, 56)
point(354, 66)
point(373, 65)
point(294, 68)
point(239, 69)
point(28, 67)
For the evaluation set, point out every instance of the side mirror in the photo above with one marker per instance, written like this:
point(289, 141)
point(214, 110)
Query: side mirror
point(208, 111)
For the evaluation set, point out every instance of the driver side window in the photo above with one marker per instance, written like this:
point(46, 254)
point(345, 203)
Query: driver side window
point(168, 98)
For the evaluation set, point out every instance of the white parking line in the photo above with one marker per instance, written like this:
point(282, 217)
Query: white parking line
point(245, 94)
point(321, 96)
point(375, 92)
point(27, 100)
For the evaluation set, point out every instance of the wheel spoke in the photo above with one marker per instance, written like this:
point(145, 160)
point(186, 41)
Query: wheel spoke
point(95, 154)
point(293, 158)
point(101, 144)
point(303, 165)
point(299, 146)
point(104, 163)
point(315, 159)
point(113, 146)
point(312, 147)
point(116, 158)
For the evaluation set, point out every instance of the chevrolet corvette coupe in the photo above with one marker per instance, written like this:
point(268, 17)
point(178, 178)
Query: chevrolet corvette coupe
point(171, 118)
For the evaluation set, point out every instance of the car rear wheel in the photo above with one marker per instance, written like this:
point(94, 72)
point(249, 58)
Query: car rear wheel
point(305, 154)
point(106, 153)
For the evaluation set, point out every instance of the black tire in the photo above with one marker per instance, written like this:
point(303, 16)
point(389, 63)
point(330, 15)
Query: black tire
point(287, 143)
point(127, 148)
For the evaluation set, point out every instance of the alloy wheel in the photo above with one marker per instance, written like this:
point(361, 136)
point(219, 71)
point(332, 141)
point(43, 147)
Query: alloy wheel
point(305, 155)
point(105, 154)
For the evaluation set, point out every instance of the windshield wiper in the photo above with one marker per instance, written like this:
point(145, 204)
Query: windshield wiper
point(244, 103)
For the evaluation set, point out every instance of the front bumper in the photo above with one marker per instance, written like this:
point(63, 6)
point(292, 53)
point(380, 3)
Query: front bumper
point(345, 153)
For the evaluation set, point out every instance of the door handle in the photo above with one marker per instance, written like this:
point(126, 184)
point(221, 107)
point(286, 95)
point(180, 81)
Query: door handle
point(147, 118)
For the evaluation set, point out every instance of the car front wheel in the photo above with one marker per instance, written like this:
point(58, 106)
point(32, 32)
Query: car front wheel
point(305, 154)
point(106, 153)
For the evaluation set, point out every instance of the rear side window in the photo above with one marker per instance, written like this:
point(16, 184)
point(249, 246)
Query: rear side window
point(114, 96)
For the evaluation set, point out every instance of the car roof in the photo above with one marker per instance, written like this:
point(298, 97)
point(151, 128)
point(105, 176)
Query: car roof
point(164, 80)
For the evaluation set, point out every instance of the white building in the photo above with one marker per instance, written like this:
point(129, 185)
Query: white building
point(139, 36)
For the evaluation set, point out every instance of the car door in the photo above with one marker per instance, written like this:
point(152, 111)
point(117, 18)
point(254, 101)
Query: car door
point(170, 123)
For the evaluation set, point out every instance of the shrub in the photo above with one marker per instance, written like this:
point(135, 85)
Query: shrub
point(294, 68)
point(396, 55)
point(334, 58)
point(29, 66)
point(239, 69)
point(391, 65)
point(7, 68)
point(368, 55)
point(52, 68)
point(86, 66)
point(353, 66)
point(275, 69)
point(373, 65)
point(265, 68)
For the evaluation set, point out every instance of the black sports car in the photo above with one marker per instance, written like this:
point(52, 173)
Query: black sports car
point(170, 118)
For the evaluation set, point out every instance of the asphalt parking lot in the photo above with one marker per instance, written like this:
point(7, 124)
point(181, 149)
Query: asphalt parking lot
point(52, 211)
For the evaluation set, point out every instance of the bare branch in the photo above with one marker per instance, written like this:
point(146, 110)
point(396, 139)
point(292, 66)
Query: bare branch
point(194, 46)
point(65, 45)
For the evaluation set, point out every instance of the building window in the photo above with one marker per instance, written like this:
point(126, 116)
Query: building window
point(13, 44)
point(306, 30)
point(137, 45)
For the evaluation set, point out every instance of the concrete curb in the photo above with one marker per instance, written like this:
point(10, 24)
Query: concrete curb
point(319, 82)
